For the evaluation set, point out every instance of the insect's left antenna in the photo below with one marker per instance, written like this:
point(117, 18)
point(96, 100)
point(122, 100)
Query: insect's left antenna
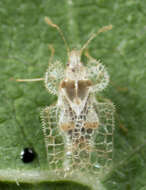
point(49, 22)
point(103, 29)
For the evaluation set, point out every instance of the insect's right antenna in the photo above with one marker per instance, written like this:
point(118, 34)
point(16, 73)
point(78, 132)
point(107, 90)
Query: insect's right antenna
point(103, 29)
point(49, 22)
point(50, 47)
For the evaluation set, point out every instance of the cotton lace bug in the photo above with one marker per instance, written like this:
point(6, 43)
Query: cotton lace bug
point(78, 130)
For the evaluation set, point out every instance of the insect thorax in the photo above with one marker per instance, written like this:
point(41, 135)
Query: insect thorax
point(75, 94)
point(78, 120)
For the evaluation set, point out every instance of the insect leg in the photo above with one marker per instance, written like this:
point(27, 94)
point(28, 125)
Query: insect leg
point(86, 53)
point(30, 80)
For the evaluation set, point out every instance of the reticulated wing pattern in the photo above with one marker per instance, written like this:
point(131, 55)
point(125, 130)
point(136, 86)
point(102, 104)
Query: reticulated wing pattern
point(54, 75)
point(97, 73)
point(53, 139)
point(103, 139)
point(86, 145)
point(78, 131)
point(88, 138)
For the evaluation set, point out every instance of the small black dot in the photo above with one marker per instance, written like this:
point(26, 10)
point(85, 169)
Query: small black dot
point(77, 125)
point(81, 117)
point(70, 132)
point(89, 130)
point(82, 138)
point(76, 130)
point(83, 130)
point(87, 136)
point(27, 155)
point(75, 117)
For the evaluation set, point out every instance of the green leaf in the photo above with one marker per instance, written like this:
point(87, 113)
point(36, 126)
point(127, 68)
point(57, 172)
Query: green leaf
point(24, 39)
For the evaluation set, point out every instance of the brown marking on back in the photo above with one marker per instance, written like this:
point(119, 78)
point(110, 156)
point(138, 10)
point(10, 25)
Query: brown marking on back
point(83, 145)
point(84, 83)
point(83, 86)
point(67, 126)
point(72, 93)
point(91, 125)
point(69, 86)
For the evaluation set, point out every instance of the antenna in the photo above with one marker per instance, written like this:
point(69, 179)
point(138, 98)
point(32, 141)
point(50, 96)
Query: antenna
point(103, 29)
point(50, 47)
point(49, 22)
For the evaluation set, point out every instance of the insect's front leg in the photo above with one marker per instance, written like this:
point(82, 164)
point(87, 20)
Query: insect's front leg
point(39, 79)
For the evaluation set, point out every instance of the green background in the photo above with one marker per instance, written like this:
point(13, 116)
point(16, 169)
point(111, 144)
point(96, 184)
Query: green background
point(24, 39)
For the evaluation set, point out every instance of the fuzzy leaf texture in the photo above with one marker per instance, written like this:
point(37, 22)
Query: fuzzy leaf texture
point(24, 39)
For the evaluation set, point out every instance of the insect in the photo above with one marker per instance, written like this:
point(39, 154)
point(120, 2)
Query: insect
point(78, 130)
point(27, 155)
